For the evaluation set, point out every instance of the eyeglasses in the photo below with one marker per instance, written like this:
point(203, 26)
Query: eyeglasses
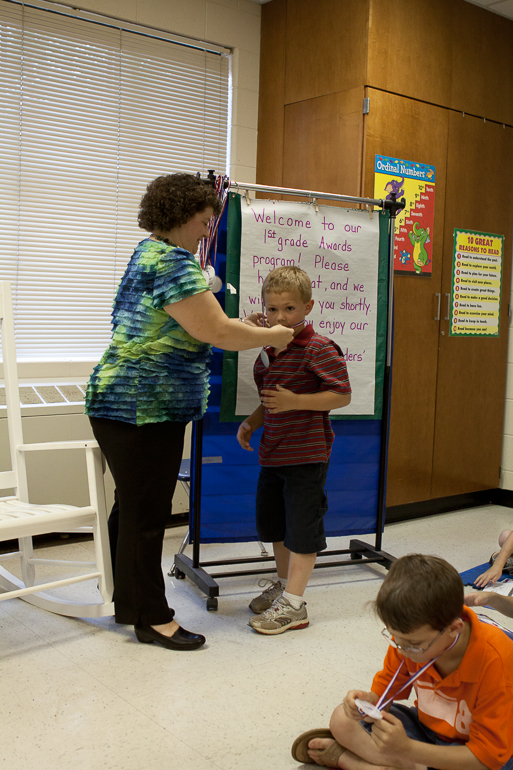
point(414, 650)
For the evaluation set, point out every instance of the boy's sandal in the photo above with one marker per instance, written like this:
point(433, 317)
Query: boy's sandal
point(328, 757)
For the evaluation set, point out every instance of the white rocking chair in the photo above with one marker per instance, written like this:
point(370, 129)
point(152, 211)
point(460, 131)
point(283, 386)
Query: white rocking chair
point(21, 520)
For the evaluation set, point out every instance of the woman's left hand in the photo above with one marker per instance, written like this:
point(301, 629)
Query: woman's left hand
point(279, 400)
point(255, 319)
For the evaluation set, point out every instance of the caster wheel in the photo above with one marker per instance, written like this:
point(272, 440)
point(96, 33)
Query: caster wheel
point(355, 556)
point(179, 575)
point(212, 604)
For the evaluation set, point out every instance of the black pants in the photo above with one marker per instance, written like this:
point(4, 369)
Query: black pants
point(144, 461)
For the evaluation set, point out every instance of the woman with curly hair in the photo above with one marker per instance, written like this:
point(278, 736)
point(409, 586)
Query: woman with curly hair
point(151, 381)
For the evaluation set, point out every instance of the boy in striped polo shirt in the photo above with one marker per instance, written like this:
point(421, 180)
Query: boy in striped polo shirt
point(298, 386)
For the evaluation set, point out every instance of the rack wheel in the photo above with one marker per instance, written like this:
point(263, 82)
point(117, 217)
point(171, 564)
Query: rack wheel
point(212, 604)
point(179, 575)
point(355, 555)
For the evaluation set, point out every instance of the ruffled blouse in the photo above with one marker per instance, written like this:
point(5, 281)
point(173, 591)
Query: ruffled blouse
point(153, 370)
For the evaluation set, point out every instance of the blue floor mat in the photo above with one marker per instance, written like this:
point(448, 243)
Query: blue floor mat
point(470, 575)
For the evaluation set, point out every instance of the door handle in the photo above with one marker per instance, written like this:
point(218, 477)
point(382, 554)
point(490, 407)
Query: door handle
point(448, 307)
point(439, 302)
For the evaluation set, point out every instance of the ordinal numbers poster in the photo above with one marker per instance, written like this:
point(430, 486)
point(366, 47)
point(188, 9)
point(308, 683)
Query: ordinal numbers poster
point(476, 284)
point(415, 182)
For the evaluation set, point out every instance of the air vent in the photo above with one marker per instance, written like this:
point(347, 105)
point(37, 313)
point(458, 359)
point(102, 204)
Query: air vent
point(48, 395)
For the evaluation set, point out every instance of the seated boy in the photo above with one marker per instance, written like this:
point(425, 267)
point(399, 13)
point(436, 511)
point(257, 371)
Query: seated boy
point(462, 719)
point(298, 386)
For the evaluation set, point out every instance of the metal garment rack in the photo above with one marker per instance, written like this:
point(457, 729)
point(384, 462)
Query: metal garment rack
point(359, 552)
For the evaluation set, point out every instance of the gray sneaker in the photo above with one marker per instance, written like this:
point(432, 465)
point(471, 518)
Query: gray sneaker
point(280, 617)
point(264, 601)
point(508, 567)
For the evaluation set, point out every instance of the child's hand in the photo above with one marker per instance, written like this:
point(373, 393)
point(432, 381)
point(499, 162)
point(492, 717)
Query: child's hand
point(478, 599)
point(350, 706)
point(390, 736)
point(279, 400)
point(244, 434)
point(490, 576)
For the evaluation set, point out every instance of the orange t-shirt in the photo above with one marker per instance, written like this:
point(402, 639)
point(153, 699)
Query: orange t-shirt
point(474, 704)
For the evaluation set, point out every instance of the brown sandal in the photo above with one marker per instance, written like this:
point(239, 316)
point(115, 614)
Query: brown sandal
point(329, 757)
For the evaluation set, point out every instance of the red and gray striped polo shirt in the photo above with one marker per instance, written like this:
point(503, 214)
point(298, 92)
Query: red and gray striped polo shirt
point(309, 364)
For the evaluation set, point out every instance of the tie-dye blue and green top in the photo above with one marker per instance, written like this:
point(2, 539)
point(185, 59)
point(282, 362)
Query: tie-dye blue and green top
point(153, 370)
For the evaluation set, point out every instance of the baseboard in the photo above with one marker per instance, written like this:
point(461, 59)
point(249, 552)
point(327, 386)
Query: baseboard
point(396, 513)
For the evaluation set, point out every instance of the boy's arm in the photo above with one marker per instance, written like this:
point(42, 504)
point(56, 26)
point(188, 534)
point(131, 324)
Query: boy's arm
point(500, 603)
point(495, 571)
point(249, 426)
point(283, 400)
point(390, 737)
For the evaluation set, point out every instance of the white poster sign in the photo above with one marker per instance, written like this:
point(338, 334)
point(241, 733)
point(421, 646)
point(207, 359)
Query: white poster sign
point(338, 248)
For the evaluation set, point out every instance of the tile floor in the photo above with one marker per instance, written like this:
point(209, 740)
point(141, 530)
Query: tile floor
point(85, 695)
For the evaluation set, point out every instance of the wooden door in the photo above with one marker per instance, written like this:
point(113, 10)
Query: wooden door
point(472, 371)
point(415, 131)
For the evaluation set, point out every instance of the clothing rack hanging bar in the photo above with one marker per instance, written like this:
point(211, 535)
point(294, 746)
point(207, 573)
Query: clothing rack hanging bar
point(237, 186)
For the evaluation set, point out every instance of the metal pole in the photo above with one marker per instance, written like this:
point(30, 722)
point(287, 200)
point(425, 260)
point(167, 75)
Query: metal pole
point(236, 186)
point(393, 206)
point(196, 467)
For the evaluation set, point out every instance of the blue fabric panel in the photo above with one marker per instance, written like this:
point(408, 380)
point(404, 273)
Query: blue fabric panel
point(228, 488)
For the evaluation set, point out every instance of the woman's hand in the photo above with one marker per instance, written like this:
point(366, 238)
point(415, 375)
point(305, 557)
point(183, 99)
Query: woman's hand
point(490, 576)
point(255, 319)
point(244, 434)
point(281, 336)
point(350, 707)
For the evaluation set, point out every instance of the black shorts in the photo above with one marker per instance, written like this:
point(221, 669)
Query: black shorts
point(290, 506)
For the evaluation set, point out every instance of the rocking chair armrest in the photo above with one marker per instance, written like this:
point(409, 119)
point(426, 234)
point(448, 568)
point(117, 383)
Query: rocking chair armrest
point(87, 444)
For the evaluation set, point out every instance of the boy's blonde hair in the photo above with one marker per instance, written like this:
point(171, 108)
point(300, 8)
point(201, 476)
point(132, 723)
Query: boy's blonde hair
point(288, 278)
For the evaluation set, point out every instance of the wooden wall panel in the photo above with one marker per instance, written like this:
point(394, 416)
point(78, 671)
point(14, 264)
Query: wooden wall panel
point(271, 96)
point(323, 146)
point(326, 47)
point(410, 49)
point(482, 68)
point(414, 131)
point(472, 371)
point(446, 52)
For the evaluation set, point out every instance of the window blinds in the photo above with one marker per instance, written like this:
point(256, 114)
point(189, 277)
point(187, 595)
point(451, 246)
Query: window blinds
point(91, 113)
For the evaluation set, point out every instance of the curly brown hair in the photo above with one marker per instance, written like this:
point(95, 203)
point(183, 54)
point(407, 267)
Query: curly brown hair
point(172, 200)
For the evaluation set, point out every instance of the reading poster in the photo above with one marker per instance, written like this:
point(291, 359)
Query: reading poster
point(415, 182)
point(476, 284)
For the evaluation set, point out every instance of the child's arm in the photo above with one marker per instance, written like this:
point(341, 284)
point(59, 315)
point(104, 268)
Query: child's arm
point(390, 737)
point(283, 400)
point(493, 574)
point(249, 426)
point(500, 603)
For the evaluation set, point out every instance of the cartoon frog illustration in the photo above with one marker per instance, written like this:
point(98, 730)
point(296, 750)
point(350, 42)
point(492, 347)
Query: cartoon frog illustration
point(418, 238)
